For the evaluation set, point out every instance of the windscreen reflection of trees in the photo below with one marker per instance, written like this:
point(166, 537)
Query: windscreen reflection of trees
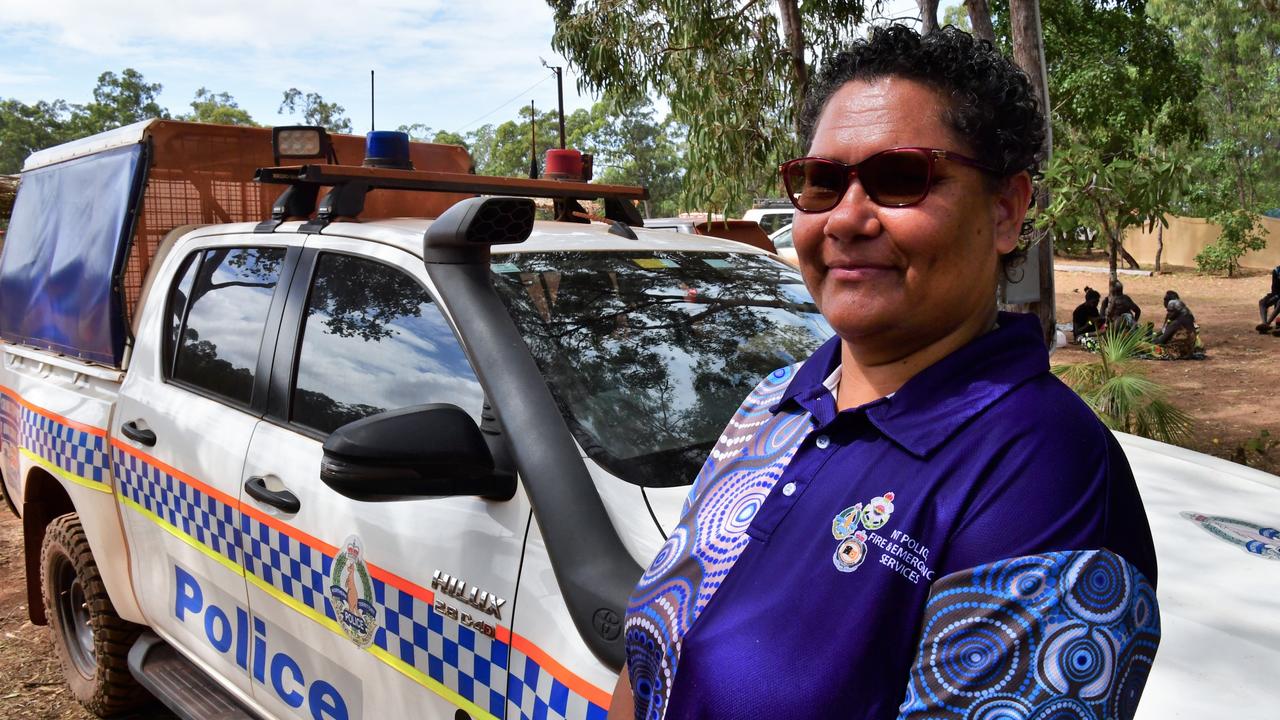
point(229, 272)
point(648, 365)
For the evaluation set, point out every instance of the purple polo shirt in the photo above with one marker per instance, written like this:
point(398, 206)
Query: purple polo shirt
point(798, 583)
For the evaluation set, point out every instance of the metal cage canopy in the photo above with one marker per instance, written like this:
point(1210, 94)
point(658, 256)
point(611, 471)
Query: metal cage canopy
point(91, 214)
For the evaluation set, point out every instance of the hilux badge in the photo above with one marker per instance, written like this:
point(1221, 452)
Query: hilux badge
point(351, 593)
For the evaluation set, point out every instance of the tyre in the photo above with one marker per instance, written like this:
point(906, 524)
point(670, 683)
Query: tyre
point(91, 641)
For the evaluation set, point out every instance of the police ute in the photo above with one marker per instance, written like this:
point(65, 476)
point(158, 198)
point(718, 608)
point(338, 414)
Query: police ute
point(304, 425)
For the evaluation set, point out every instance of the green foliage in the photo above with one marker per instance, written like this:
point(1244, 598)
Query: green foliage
point(219, 108)
point(315, 111)
point(1123, 105)
point(726, 67)
point(1116, 387)
point(1236, 44)
point(118, 100)
point(631, 146)
point(1241, 232)
point(25, 129)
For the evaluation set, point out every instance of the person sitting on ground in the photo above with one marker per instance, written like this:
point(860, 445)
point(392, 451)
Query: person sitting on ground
point(1119, 309)
point(1086, 319)
point(1179, 333)
point(1269, 305)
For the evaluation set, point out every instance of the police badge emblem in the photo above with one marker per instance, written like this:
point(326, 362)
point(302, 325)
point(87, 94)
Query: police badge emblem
point(844, 524)
point(351, 593)
point(851, 552)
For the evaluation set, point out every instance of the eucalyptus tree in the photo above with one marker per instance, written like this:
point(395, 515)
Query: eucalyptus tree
point(734, 72)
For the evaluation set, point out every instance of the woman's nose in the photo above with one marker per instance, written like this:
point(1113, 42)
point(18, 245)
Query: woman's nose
point(855, 215)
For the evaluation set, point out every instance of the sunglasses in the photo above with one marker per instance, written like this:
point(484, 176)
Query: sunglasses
point(897, 177)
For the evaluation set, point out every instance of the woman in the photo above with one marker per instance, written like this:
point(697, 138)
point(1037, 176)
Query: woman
point(1086, 319)
point(919, 521)
point(1179, 333)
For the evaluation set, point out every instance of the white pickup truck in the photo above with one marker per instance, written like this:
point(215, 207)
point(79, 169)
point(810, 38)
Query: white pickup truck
point(392, 468)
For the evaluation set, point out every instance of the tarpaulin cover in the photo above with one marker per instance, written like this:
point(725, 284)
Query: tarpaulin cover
point(65, 245)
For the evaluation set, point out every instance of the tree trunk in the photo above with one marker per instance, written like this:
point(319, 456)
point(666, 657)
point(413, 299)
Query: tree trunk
point(793, 31)
point(980, 20)
point(1129, 260)
point(1113, 243)
point(1159, 245)
point(928, 16)
point(1028, 53)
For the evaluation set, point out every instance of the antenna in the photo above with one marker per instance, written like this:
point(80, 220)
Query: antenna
point(372, 125)
point(533, 142)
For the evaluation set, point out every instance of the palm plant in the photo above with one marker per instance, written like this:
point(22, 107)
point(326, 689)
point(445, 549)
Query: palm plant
point(1116, 387)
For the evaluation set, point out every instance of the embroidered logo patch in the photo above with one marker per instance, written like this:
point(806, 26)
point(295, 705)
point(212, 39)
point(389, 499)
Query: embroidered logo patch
point(351, 593)
point(1251, 537)
point(871, 515)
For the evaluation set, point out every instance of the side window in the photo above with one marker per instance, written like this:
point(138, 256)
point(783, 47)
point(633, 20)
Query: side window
point(226, 314)
point(176, 308)
point(373, 340)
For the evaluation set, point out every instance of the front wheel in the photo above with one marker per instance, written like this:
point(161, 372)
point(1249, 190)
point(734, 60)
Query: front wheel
point(92, 642)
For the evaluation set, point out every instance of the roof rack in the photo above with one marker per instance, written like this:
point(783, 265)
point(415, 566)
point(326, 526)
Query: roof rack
point(350, 183)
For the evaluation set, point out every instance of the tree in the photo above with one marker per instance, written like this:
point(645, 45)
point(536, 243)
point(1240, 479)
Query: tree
point(219, 108)
point(1236, 44)
point(633, 148)
point(118, 100)
point(1123, 98)
point(424, 133)
point(315, 111)
point(1241, 232)
point(25, 129)
point(734, 72)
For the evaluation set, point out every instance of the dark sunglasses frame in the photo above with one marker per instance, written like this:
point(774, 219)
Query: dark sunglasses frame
point(930, 155)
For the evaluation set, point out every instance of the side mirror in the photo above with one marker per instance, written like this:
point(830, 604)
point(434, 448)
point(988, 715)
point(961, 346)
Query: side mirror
point(419, 451)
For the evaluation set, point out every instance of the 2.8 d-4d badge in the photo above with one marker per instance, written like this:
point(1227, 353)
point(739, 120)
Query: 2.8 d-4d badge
point(351, 593)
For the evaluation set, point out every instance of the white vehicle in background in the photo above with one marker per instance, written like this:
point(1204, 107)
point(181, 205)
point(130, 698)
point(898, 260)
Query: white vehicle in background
point(781, 239)
point(330, 462)
point(771, 214)
point(676, 224)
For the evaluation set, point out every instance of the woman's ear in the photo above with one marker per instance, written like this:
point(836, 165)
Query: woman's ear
point(1012, 201)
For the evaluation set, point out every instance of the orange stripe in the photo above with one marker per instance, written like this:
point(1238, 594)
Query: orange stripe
point(545, 661)
point(560, 672)
point(222, 497)
point(96, 431)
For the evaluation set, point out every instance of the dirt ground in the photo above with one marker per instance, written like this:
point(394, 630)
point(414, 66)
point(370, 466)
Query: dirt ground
point(1234, 394)
point(1230, 395)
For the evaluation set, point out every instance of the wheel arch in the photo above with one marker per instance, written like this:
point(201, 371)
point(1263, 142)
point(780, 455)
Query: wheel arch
point(44, 499)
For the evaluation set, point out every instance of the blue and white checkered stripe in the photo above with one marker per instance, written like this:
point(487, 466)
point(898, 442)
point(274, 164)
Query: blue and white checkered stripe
point(198, 515)
point(468, 663)
point(536, 695)
point(292, 567)
point(77, 452)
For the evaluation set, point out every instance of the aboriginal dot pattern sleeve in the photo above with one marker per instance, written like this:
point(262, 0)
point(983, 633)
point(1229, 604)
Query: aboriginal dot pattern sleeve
point(742, 468)
point(1058, 636)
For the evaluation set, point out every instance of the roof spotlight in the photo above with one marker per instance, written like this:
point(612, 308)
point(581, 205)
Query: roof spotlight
point(301, 142)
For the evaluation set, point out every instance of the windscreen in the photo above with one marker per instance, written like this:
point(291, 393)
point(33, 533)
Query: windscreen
point(648, 354)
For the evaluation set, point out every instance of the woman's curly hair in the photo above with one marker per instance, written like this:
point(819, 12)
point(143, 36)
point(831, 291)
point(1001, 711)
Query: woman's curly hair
point(993, 106)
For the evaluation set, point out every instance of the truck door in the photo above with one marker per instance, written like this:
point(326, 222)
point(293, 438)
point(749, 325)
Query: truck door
point(186, 413)
point(403, 608)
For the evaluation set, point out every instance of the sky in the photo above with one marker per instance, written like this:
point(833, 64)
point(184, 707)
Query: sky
point(445, 64)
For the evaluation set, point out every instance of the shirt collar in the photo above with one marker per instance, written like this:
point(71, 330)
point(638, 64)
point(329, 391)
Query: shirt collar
point(934, 404)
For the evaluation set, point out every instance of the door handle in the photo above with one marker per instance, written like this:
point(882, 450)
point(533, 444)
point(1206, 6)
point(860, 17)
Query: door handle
point(137, 434)
point(257, 488)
